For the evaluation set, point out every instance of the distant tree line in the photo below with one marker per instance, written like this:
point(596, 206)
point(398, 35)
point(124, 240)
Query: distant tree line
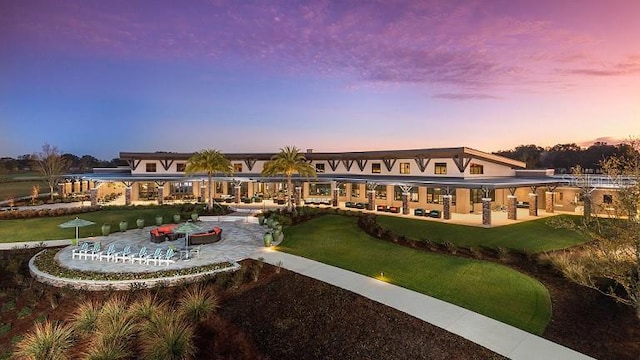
point(565, 157)
point(73, 163)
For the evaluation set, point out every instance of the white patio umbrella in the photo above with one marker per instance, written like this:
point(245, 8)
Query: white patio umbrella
point(76, 223)
point(187, 228)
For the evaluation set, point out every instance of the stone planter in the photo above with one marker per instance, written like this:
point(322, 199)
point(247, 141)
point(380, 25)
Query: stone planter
point(158, 220)
point(106, 229)
point(261, 220)
point(268, 238)
point(124, 225)
point(194, 217)
point(176, 218)
point(140, 223)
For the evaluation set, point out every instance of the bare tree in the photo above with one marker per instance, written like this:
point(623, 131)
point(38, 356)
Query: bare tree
point(52, 165)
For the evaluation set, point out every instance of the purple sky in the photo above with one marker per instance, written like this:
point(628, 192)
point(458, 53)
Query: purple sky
point(99, 77)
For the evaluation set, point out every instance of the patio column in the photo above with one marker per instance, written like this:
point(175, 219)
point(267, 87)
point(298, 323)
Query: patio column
point(160, 194)
point(533, 204)
point(74, 186)
point(486, 212)
point(446, 206)
point(549, 197)
point(587, 206)
point(405, 203)
point(127, 195)
point(203, 192)
point(512, 210)
point(93, 195)
point(371, 199)
point(334, 191)
point(236, 188)
point(297, 196)
point(62, 187)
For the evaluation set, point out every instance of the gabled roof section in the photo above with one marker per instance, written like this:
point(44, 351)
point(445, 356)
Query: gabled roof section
point(431, 153)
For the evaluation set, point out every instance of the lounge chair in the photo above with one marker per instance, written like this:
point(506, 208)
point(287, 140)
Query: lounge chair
point(94, 252)
point(111, 249)
point(125, 254)
point(80, 251)
point(157, 254)
point(167, 258)
point(141, 256)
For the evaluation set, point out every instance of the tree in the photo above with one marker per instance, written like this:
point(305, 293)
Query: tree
point(51, 164)
point(289, 161)
point(210, 162)
point(610, 262)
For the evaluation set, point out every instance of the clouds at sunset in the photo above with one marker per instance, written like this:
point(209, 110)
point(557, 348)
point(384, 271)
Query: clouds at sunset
point(456, 51)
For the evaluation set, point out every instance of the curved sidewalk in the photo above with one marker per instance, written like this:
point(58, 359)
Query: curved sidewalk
point(501, 338)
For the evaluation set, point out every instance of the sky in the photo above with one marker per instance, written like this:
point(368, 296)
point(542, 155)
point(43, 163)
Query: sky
point(101, 77)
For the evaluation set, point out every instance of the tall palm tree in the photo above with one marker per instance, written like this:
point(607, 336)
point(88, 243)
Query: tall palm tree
point(210, 162)
point(289, 161)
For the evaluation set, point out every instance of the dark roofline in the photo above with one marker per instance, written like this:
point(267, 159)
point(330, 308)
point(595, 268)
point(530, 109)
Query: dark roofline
point(368, 155)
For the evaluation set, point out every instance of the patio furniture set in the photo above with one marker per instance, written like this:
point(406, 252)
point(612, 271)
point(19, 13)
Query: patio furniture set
point(354, 205)
point(391, 209)
point(159, 256)
point(428, 213)
point(166, 233)
point(317, 201)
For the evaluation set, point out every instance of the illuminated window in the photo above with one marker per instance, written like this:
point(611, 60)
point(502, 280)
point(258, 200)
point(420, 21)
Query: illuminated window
point(405, 168)
point(607, 199)
point(151, 167)
point(441, 168)
point(319, 168)
point(375, 168)
point(237, 168)
point(180, 167)
point(477, 169)
point(355, 190)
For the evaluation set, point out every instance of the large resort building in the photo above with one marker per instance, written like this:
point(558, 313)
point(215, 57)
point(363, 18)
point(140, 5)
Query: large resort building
point(457, 180)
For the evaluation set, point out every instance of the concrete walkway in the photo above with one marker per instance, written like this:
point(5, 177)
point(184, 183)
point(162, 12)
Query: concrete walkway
point(501, 338)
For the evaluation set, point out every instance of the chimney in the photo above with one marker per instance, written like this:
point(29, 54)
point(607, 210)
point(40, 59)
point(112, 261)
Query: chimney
point(309, 151)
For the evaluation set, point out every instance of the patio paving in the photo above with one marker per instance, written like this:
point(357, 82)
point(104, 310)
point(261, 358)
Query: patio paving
point(241, 239)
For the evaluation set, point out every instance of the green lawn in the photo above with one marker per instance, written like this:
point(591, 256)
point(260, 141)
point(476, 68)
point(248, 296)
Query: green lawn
point(47, 228)
point(484, 287)
point(17, 189)
point(533, 236)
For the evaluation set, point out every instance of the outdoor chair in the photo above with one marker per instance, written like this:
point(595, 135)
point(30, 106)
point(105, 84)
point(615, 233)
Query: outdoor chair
point(80, 251)
point(167, 258)
point(111, 249)
point(141, 256)
point(94, 252)
point(125, 254)
point(157, 254)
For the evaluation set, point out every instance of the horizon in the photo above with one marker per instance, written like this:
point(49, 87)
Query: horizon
point(98, 78)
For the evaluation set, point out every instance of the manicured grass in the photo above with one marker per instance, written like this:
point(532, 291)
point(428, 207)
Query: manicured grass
point(532, 236)
point(484, 287)
point(47, 228)
point(17, 189)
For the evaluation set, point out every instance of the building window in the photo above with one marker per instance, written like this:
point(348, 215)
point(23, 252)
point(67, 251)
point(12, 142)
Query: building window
point(319, 168)
point(180, 167)
point(375, 168)
point(182, 188)
point(413, 194)
point(381, 192)
point(151, 167)
point(477, 169)
point(319, 189)
point(237, 168)
point(147, 191)
point(441, 168)
point(355, 190)
point(434, 196)
point(405, 168)
point(607, 199)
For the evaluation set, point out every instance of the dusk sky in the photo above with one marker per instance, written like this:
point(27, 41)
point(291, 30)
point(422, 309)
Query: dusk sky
point(100, 77)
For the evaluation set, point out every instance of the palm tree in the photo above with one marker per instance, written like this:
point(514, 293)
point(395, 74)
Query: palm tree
point(289, 161)
point(210, 162)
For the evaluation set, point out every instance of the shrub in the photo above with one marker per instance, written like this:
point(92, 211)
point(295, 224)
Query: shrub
point(46, 341)
point(450, 247)
point(168, 337)
point(148, 306)
point(197, 304)
point(85, 317)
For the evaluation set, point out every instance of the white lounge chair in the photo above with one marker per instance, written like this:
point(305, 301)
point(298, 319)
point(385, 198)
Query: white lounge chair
point(123, 255)
point(80, 250)
point(111, 250)
point(141, 256)
point(167, 258)
point(157, 254)
point(95, 251)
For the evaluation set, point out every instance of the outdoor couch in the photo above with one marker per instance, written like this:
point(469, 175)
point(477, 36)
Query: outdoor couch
point(211, 236)
point(163, 233)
